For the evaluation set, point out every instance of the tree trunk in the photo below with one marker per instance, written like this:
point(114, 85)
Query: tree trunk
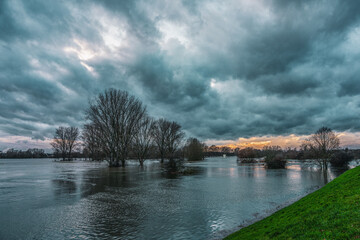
point(324, 164)
point(325, 176)
point(114, 163)
point(69, 157)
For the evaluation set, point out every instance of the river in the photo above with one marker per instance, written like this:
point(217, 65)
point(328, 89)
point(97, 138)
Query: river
point(47, 199)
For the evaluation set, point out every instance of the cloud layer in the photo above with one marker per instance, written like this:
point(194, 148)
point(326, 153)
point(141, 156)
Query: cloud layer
point(223, 70)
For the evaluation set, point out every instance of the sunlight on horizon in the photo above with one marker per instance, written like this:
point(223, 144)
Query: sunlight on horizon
point(347, 139)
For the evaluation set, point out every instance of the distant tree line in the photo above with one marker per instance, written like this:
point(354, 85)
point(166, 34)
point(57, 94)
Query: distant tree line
point(30, 153)
point(215, 151)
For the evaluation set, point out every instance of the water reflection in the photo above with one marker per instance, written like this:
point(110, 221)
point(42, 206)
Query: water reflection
point(63, 187)
point(200, 200)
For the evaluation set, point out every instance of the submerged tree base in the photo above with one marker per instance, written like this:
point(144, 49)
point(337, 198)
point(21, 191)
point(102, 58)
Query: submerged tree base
point(116, 164)
point(331, 212)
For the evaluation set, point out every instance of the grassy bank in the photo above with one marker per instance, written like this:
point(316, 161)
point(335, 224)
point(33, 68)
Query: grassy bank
point(332, 212)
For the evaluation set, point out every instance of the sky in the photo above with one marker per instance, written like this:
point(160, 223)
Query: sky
point(240, 72)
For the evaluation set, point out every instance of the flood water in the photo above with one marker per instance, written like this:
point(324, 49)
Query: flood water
point(44, 199)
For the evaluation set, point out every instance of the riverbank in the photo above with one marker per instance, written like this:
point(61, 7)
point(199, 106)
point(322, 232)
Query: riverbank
point(331, 212)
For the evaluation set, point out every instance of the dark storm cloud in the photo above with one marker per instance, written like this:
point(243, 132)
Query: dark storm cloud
point(187, 92)
point(350, 86)
point(223, 70)
point(287, 84)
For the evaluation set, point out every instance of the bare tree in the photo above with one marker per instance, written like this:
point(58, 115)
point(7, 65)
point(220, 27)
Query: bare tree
point(143, 139)
point(167, 137)
point(322, 143)
point(65, 140)
point(173, 139)
point(59, 142)
point(91, 141)
point(160, 133)
point(72, 135)
point(194, 149)
point(116, 115)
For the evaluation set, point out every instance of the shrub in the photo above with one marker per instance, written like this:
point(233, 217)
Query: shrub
point(194, 149)
point(275, 161)
point(341, 159)
point(247, 155)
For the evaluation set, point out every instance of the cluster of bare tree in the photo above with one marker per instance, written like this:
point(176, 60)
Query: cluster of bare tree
point(119, 126)
point(65, 141)
point(222, 149)
point(322, 146)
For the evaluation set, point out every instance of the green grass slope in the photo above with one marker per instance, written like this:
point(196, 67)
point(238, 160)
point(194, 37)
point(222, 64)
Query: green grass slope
point(332, 212)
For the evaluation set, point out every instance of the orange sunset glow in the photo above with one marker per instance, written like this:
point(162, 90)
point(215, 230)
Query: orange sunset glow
point(347, 139)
